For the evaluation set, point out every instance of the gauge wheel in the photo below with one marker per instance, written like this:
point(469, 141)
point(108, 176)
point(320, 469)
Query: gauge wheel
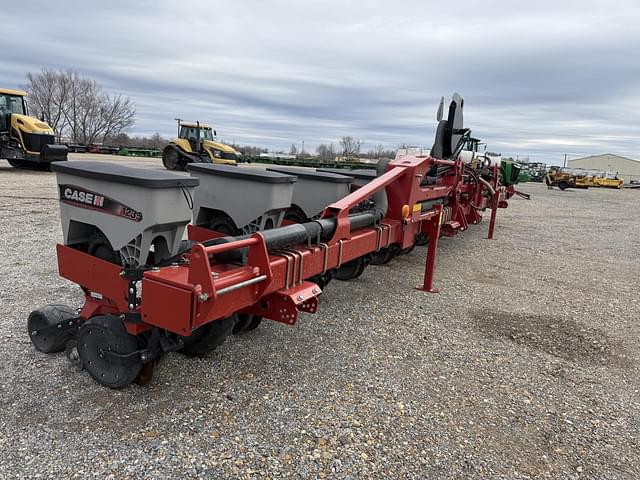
point(382, 256)
point(422, 239)
point(208, 337)
point(408, 250)
point(99, 338)
point(246, 322)
point(350, 270)
point(295, 215)
point(223, 224)
point(99, 246)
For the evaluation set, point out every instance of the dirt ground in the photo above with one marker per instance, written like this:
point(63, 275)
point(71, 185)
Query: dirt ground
point(525, 366)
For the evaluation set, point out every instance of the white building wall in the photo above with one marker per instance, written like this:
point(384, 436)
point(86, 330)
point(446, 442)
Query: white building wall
point(627, 168)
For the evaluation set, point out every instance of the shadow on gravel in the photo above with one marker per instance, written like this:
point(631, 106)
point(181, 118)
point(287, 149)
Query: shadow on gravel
point(563, 338)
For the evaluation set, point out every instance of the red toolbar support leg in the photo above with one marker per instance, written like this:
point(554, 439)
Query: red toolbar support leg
point(433, 231)
point(494, 211)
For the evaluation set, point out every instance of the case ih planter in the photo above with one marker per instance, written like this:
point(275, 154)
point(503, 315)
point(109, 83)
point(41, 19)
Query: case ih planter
point(165, 295)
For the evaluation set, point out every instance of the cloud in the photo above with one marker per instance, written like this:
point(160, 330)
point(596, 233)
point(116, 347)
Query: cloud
point(540, 79)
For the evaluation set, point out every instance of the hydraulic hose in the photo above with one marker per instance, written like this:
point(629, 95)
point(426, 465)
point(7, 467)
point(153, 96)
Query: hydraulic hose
point(488, 185)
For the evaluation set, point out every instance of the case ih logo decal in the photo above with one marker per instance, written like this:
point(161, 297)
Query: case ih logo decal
point(80, 197)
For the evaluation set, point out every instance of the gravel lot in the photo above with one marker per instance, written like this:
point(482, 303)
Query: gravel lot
point(524, 366)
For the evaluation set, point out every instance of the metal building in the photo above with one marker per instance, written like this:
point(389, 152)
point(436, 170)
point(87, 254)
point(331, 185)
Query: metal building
point(626, 168)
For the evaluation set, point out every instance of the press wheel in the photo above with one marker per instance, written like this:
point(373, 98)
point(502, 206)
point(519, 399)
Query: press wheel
point(41, 336)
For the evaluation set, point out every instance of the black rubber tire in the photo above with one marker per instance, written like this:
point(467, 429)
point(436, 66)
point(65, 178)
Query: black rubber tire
point(323, 280)
point(254, 323)
point(407, 250)
point(171, 158)
point(108, 333)
point(207, 338)
point(223, 224)
point(563, 185)
point(349, 270)
point(44, 317)
point(100, 247)
point(246, 322)
point(17, 163)
point(422, 239)
point(382, 256)
point(296, 215)
point(361, 268)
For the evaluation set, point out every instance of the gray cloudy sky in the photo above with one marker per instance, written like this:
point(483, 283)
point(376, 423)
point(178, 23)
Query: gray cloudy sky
point(540, 78)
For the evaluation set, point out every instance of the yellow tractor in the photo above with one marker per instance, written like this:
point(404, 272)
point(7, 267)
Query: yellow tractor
point(196, 144)
point(580, 178)
point(25, 141)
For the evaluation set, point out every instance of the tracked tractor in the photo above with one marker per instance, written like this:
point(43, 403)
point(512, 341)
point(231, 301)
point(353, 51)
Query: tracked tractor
point(196, 143)
point(25, 141)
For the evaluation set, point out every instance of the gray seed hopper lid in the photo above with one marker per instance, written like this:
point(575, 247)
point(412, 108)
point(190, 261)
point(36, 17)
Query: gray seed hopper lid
point(360, 173)
point(111, 172)
point(313, 175)
point(253, 174)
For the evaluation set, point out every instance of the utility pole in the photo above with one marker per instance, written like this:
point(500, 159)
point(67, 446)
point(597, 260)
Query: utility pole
point(302, 152)
point(565, 160)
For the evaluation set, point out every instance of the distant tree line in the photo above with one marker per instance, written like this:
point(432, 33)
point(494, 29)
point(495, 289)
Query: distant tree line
point(348, 147)
point(123, 140)
point(77, 108)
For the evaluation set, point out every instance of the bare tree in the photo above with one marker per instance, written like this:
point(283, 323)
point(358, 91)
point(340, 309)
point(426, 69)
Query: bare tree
point(47, 96)
point(326, 153)
point(77, 107)
point(350, 146)
point(118, 114)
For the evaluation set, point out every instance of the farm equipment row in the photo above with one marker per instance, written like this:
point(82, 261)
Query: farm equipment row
point(114, 150)
point(263, 245)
